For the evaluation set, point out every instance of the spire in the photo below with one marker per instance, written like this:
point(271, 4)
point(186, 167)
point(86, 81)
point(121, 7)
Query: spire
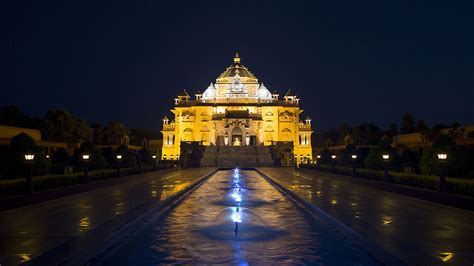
point(237, 58)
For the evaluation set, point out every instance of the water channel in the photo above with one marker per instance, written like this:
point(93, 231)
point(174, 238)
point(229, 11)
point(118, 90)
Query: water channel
point(236, 217)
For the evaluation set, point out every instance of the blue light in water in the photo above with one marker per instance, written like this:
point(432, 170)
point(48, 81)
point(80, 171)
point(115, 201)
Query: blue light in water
point(236, 196)
point(236, 217)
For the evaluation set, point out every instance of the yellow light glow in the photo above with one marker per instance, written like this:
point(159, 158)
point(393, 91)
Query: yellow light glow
point(385, 156)
point(446, 256)
point(387, 221)
point(354, 156)
point(333, 202)
point(333, 156)
point(24, 257)
point(29, 157)
point(119, 157)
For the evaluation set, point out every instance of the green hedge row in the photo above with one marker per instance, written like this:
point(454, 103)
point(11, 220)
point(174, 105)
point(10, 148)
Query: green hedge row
point(453, 185)
point(17, 186)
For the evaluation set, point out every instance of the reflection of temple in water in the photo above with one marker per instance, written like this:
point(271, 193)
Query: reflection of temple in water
point(237, 111)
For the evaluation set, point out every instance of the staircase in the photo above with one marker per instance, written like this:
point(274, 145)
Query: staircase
point(242, 156)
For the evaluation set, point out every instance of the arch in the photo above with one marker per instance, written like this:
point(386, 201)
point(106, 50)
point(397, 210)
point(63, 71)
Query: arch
point(269, 113)
point(237, 136)
point(188, 134)
point(269, 129)
point(204, 113)
point(286, 130)
point(204, 129)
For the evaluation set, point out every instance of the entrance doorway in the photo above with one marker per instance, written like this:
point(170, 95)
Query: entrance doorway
point(237, 136)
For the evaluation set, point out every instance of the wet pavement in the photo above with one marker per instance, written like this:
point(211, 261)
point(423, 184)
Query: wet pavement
point(30, 231)
point(235, 219)
point(416, 231)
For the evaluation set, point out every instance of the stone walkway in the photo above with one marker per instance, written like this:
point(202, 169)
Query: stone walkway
point(416, 231)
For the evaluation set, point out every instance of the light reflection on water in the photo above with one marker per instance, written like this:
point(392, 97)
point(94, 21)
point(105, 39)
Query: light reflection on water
point(271, 229)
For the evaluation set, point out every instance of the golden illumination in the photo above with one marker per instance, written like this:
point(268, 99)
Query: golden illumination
point(333, 202)
point(29, 157)
point(237, 110)
point(333, 156)
point(446, 256)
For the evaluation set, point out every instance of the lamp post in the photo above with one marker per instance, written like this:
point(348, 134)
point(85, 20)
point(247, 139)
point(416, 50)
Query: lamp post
point(442, 157)
point(386, 158)
point(301, 160)
point(354, 163)
point(307, 159)
point(296, 161)
point(29, 157)
point(164, 161)
point(318, 162)
point(333, 163)
point(154, 163)
point(119, 164)
point(85, 159)
point(177, 159)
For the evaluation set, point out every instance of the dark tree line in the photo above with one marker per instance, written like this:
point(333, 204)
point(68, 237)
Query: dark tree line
point(370, 134)
point(61, 126)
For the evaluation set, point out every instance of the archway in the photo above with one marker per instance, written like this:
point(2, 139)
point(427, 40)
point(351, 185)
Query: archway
point(237, 136)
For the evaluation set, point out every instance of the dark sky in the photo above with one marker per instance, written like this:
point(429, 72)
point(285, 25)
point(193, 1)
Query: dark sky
point(364, 61)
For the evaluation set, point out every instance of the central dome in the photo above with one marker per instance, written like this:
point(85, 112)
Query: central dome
point(237, 69)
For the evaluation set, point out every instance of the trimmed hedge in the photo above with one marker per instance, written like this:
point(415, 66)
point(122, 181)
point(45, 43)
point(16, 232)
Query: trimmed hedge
point(17, 186)
point(453, 185)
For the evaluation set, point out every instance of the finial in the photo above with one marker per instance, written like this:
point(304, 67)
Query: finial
point(237, 58)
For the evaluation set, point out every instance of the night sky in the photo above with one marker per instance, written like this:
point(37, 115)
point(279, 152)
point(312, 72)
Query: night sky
point(348, 61)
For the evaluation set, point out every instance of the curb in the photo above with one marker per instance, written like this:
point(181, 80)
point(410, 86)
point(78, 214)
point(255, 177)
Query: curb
point(377, 252)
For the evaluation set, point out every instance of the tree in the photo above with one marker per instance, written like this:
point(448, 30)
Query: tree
point(60, 156)
point(392, 131)
point(13, 116)
point(145, 156)
point(19, 146)
point(345, 158)
point(441, 144)
point(421, 126)
point(114, 133)
point(407, 124)
point(97, 134)
point(61, 126)
point(96, 159)
point(374, 159)
point(129, 158)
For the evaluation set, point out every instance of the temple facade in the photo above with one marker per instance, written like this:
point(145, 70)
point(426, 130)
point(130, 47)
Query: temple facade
point(237, 110)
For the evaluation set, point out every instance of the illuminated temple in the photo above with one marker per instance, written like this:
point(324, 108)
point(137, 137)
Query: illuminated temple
point(237, 111)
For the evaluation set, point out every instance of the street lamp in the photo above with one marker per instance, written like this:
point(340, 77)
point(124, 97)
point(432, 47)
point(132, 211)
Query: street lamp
point(386, 158)
point(333, 163)
point(154, 162)
point(442, 157)
point(119, 162)
point(29, 157)
point(318, 161)
point(354, 161)
point(85, 158)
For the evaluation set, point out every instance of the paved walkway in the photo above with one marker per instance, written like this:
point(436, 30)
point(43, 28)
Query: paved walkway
point(416, 231)
point(30, 231)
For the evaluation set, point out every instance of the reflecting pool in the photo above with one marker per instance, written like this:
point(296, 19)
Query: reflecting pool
point(236, 217)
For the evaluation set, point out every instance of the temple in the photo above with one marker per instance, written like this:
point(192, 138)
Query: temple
point(237, 110)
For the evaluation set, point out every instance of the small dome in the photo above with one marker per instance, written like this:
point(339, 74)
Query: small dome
point(210, 92)
point(263, 92)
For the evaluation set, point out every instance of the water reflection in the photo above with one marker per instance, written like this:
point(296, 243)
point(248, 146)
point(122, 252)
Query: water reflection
point(237, 217)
